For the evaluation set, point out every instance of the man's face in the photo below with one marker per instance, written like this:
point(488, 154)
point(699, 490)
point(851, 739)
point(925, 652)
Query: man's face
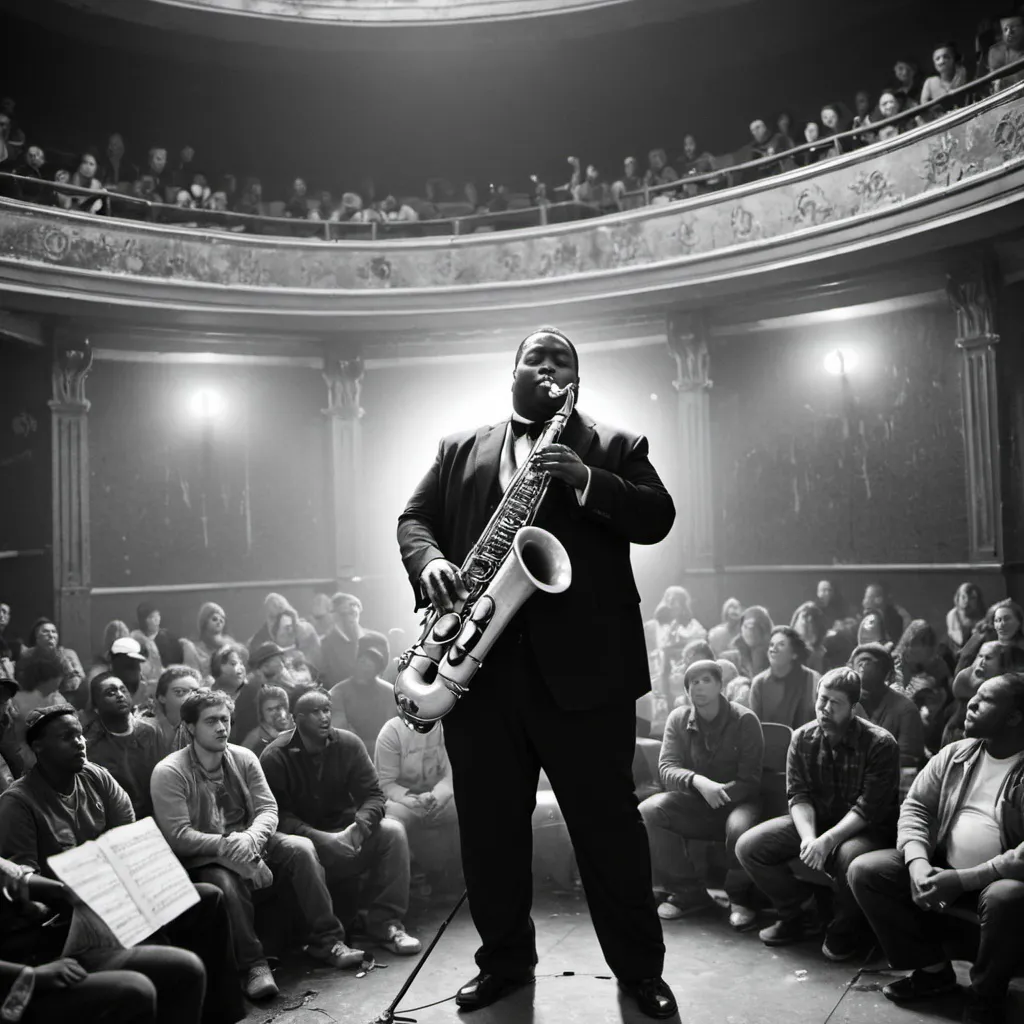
point(157, 160)
point(990, 711)
point(986, 664)
point(187, 154)
point(811, 131)
point(129, 671)
point(115, 145)
point(705, 689)
point(780, 652)
point(47, 636)
point(175, 696)
point(112, 698)
point(212, 728)
point(888, 105)
point(60, 746)
point(275, 714)
point(1006, 624)
point(871, 672)
point(35, 158)
point(904, 72)
point(829, 118)
point(5, 616)
point(759, 130)
point(1013, 32)
point(690, 147)
point(347, 614)
point(153, 623)
point(943, 60)
point(832, 709)
point(313, 716)
point(546, 359)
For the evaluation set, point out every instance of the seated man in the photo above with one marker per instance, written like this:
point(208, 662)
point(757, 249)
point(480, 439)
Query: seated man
point(710, 767)
point(212, 802)
point(842, 780)
point(364, 702)
point(274, 719)
point(416, 778)
point(127, 746)
point(328, 792)
point(881, 704)
point(960, 841)
point(64, 801)
point(174, 685)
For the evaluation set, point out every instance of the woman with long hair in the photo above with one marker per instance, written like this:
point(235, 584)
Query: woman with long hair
point(723, 637)
point(809, 621)
point(211, 626)
point(967, 611)
point(784, 692)
point(917, 653)
point(750, 653)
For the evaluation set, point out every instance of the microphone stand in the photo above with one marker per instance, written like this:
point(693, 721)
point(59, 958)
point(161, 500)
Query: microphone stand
point(388, 1015)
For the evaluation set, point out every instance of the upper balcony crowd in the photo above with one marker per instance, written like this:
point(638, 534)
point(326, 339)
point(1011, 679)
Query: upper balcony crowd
point(177, 188)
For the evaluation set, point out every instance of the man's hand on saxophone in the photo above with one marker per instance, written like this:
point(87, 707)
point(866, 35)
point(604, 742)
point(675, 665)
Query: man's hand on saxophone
point(442, 585)
point(563, 464)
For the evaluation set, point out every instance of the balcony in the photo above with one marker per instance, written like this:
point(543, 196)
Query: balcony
point(944, 184)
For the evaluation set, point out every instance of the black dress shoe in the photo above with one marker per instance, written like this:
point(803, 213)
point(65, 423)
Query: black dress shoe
point(653, 997)
point(486, 988)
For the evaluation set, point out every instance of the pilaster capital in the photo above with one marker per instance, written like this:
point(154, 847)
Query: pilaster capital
point(72, 361)
point(972, 295)
point(344, 378)
point(686, 335)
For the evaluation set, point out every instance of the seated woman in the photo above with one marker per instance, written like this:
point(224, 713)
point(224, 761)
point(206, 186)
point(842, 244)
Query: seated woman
point(1002, 622)
point(830, 600)
point(993, 659)
point(750, 654)
point(211, 625)
point(229, 669)
point(809, 621)
point(889, 105)
point(150, 631)
point(676, 624)
point(785, 691)
point(723, 637)
point(967, 611)
point(918, 652)
point(44, 642)
point(297, 635)
point(950, 74)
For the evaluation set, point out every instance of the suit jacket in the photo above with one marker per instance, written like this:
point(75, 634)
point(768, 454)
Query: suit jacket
point(588, 641)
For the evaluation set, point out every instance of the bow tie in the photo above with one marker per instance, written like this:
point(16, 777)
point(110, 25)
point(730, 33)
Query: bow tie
point(532, 430)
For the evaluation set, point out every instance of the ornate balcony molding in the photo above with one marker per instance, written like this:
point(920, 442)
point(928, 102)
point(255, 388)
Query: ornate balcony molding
point(940, 185)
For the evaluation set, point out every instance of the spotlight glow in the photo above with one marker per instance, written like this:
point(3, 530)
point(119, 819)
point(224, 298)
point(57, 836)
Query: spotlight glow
point(840, 362)
point(208, 404)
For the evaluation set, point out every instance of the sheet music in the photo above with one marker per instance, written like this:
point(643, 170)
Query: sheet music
point(129, 878)
point(151, 873)
point(87, 872)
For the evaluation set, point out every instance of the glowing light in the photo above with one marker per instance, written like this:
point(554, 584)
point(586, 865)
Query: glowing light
point(207, 404)
point(840, 362)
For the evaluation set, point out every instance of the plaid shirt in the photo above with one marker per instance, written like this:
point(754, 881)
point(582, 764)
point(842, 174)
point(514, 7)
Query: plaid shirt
point(861, 773)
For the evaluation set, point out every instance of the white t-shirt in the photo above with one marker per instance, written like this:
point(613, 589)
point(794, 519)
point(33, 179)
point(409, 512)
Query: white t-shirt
point(974, 837)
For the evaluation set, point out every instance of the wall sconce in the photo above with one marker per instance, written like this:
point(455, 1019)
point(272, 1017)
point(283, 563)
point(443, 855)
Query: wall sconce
point(840, 362)
point(207, 404)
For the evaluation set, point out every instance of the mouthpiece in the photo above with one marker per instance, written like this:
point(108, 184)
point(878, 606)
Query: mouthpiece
point(556, 392)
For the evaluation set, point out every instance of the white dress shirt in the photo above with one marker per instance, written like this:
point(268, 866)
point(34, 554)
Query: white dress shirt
point(516, 450)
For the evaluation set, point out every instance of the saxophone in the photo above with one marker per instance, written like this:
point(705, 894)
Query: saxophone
point(510, 561)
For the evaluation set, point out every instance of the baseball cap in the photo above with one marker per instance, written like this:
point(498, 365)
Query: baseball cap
point(38, 717)
point(128, 647)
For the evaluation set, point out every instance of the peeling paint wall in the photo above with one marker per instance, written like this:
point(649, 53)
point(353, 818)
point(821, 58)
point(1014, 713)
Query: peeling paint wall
point(863, 468)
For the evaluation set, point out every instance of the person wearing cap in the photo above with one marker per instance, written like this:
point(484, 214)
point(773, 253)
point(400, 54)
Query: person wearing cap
point(340, 647)
point(65, 800)
point(710, 768)
point(842, 781)
point(127, 745)
point(881, 704)
point(266, 668)
point(364, 702)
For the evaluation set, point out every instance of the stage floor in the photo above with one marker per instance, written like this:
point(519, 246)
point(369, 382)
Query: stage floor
point(718, 977)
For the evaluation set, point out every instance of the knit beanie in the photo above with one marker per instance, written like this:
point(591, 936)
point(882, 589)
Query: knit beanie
point(206, 612)
point(699, 667)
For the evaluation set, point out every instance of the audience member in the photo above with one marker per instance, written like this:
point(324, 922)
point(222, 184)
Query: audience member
point(364, 702)
point(31, 166)
point(626, 192)
point(10, 644)
point(809, 622)
point(784, 127)
point(173, 686)
point(723, 637)
point(126, 745)
point(886, 707)
point(750, 655)
point(659, 172)
point(784, 692)
point(210, 625)
point(85, 177)
point(871, 629)
point(298, 637)
point(321, 615)
point(958, 845)
point(878, 599)
point(250, 202)
point(212, 802)
point(113, 630)
point(274, 719)
point(710, 768)
point(993, 659)
point(862, 107)
point(890, 103)
point(416, 779)
point(764, 144)
point(339, 647)
point(936, 707)
point(228, 670)
point(967, 611)
point(1003, 622)
point(267, 668)
point(830, 600)
point(44, 642)
point(65, 801)
point(1008, 50)
point(328, 793)
point(907, 87)
point(115, 170)
point(273, 605)
point(842, 780)
point(13, 133)
point(950, 74)
point(12, 765)
point(297, 203)
point(918, 652)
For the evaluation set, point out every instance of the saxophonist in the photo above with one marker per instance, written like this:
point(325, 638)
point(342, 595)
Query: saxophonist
point(557, 690)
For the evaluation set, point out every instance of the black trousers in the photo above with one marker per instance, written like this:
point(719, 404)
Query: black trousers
point(912, 937)
point(498, 737)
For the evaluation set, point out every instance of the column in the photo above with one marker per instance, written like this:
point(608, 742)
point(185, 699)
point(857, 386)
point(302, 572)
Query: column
point(687, 343)
point(72, 566)
point(344, 377)
point(971, 291)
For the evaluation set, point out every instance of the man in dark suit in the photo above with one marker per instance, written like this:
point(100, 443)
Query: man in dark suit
point(558, 689)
